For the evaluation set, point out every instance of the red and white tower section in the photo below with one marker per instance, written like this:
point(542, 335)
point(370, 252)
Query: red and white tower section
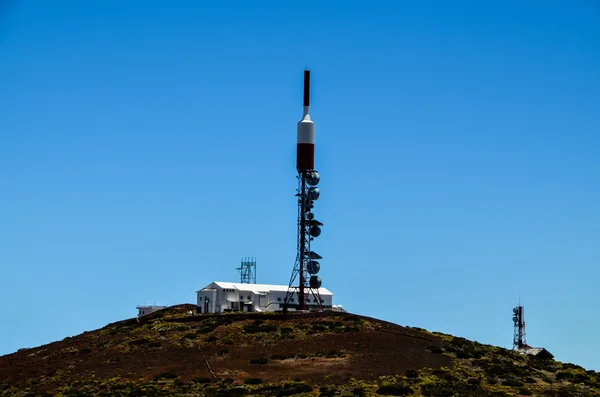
point(305, 148)
point(304, 282)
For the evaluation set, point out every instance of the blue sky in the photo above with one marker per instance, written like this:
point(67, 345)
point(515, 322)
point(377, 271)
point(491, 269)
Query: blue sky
point(146, 147)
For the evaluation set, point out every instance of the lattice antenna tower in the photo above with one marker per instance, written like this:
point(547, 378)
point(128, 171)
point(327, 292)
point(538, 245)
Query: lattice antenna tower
point(304, 281)
point(247, 271)
point(519, 340)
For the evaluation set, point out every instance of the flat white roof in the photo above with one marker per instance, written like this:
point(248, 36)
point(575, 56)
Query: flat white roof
point(258, 288)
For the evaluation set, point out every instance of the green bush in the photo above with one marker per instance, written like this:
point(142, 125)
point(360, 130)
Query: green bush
point(359, 392)
point(139, 342)
point(253, 381)
point(326, 391)
point(328, 354)
point(292, 388)
point(260, 361)
point(395, 389)
point(512, 382)
point(412, 373)
point(259, 326)
point(525, 392)
point(444, 388)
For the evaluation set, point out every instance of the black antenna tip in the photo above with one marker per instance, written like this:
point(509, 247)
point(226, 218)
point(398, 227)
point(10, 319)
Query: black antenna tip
point(306, 87)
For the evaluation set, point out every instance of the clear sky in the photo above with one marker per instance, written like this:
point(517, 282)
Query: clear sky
point(147, 146)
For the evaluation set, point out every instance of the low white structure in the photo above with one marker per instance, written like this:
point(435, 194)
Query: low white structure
point(219, 297)
point(144, 310)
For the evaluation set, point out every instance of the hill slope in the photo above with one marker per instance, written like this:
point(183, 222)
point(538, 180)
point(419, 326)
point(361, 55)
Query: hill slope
point(172, 353)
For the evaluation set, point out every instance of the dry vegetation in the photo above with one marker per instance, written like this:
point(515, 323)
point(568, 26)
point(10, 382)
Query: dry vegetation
point(169, 353)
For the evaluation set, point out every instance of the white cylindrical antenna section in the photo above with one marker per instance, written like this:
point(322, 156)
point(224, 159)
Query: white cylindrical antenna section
point(305, 149)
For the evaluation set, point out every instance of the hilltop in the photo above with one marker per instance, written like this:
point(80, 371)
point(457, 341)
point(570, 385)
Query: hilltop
point(170, 352)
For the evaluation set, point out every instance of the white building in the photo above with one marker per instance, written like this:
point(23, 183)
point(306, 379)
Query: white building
point(219, 297)
point(144, 310)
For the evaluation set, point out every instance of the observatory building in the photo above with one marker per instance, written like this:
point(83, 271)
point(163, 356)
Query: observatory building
point(144, 310)
point(222, 297)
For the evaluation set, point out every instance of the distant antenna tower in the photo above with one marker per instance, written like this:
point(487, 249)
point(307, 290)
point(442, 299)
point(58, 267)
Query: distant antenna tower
point(248, 271)
point(519, 341)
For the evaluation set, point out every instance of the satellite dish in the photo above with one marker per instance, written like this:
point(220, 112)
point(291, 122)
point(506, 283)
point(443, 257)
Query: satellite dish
point(313, 178)
point(515, 319)
point(313, 267)
point(315, 282)
point(314, 193)
point(313, 255)
point(310, 216)
point(515, 310)
point(315, 231)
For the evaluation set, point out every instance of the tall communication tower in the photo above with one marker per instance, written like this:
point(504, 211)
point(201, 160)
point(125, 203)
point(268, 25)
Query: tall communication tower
point(247, 271)
point(304, 281)
point(519, 341)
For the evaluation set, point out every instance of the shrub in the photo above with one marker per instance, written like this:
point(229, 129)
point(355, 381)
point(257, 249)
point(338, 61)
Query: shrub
point(562, 375)
point(223, 351)
point(292, 388)
point(451, 388)
point(525, 392)
point(436, 350)
point(165, 375)
point(253, 381)
point(211, 338)
point(139, 342)
point(260, 361)
point(512, 382)
point(571, 366)
point(326, 391)
point(326, 354)
point(359, 392)
point(395, 389)
point(190, 335)
point(412, 373)
point(259, 326)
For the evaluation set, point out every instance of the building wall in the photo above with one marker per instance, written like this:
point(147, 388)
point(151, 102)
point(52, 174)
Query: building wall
point(222, 299)
point(145, 310)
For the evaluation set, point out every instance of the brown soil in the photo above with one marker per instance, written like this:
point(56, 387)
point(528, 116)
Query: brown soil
point(371, 349)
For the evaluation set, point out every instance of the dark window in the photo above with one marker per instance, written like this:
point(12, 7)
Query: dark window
point(322, 301)
point(248, 297)
point(292, 300)
point(278, 299)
